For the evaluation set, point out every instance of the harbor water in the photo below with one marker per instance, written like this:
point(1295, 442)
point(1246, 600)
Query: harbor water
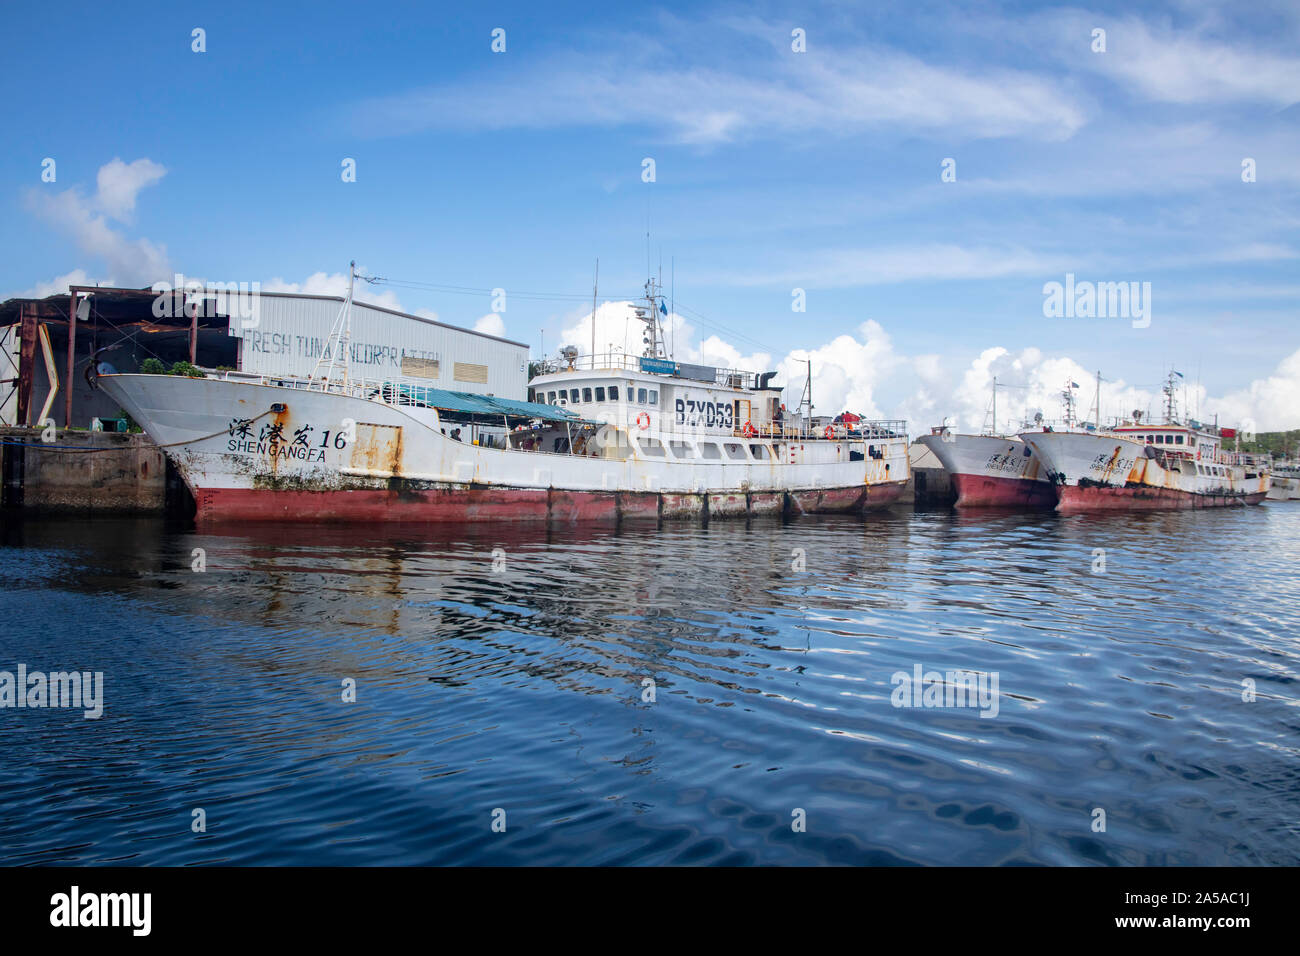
point(679, 694)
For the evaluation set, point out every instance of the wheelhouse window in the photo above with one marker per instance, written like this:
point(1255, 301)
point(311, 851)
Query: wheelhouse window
point(640, 396)
point(654, 396)
point(600, 394)
point(586, 394)
point(613, 393)
point(759, 452)
point(573, 395)
point(550, 398)
point(1178, 439)
point(735, 451)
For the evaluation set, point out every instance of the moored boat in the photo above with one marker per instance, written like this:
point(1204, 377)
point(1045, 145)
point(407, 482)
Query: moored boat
point(603, 437)
point(1134, 466)
point(1284, 482)
point(991, 471)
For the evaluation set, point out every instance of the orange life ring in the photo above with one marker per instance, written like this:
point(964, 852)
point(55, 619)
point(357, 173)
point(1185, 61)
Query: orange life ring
point(643, 421)
point(830, 431)
point(750, 430)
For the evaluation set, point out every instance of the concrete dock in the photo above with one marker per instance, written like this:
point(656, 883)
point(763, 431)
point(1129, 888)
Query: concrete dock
point(80, 471)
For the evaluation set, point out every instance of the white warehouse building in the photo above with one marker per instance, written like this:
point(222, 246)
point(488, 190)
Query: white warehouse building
point(272, 333)
point(289, 333)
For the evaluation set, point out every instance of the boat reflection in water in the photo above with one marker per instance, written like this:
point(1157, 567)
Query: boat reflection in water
point(500, 666)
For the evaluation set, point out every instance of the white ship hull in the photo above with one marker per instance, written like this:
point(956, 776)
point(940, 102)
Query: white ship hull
point(992, 472)
point(1284, 488)
point(1100, 470)
point(252, 450)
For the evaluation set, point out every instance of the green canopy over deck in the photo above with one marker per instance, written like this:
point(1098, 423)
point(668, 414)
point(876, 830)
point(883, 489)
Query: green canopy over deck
point(473, 404)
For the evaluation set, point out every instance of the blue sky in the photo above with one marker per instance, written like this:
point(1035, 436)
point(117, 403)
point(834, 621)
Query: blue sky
point(775, 170)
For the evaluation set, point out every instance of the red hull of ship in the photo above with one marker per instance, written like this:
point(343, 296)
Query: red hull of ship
point(516, 504)
point(983, 491)
point(1143, 498)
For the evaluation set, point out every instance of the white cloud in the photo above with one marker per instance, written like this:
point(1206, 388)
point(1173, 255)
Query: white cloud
point(86, 220)
point(491, 324)
point(864, 373)
point(1266, 404)
point(1189, 66)
point(58, 285)
point(118, 183)
point(336, 284)
point(769, 93)
point(836, 268)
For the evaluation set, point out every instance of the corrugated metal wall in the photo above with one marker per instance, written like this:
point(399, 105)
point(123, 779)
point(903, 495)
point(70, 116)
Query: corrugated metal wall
point(291, 333)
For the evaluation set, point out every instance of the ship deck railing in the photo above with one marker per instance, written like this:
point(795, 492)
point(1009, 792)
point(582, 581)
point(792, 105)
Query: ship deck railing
point(623, 362)
point(364, 388)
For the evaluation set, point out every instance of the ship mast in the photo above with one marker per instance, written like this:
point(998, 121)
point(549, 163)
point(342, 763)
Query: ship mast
point(337, 344)
point(1067, 401)
point(806, 399)
point(649, 315)
point(1171, 399)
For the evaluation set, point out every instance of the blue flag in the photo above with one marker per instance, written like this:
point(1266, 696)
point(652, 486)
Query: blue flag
point(662, 309)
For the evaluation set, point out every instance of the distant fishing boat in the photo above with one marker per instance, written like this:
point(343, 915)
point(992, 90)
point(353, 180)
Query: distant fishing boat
point(1136, 465)
point(991, 470)
point(603, 437)
point(1284, 482)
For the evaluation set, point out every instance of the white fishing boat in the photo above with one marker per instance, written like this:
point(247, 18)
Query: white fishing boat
point(991, 470)
point(604, 437)
point(1284, 482)
point(1136, 465)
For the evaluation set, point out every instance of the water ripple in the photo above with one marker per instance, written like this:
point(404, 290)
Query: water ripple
point(525, 690)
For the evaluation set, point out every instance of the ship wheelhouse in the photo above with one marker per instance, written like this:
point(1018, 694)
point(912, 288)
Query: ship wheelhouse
point(658, 409)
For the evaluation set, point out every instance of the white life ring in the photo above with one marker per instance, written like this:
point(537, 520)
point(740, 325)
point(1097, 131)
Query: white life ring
point(643, 421)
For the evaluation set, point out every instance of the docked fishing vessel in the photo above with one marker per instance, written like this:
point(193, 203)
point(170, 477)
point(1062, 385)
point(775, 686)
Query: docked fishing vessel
point(1133, 465)
point(991, 470)
point(602, 437)
point(1284, 482)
